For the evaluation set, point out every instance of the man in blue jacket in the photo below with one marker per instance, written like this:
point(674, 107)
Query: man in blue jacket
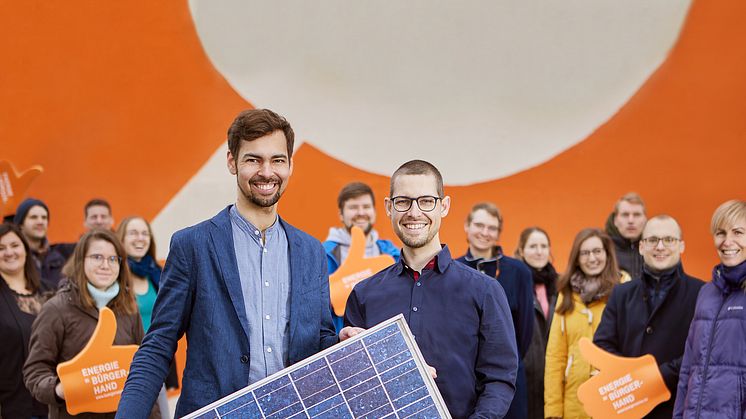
point(483, 227)
point(651, 314)
point(249, 290)
point(357, 207)
point(460, 317)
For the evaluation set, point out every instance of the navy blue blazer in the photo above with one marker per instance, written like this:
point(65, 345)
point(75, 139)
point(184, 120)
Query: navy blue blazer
point(200, 295)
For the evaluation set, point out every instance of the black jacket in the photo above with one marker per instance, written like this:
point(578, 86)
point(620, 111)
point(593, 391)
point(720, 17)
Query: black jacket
point(629, 328)
point(15, 330)
point(627, 251)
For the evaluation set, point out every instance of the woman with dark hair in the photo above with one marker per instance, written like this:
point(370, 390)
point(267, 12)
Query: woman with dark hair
point(592, 272)
point(96, 279)
point(712, 379)
point(535, 251)
point(21, 298)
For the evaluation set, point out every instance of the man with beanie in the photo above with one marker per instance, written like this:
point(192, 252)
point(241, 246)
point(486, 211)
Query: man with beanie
point(651, 314)
point(32, 216)
point(624, 226)
point(356, 208)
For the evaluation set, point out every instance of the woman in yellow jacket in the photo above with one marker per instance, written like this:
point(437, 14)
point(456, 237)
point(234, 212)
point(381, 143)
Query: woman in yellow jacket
point(592, 272)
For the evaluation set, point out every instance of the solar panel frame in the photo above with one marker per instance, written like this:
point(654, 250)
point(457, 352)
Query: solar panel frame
point(348, 401)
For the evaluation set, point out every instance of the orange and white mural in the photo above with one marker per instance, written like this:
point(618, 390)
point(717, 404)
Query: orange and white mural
point(550, 110)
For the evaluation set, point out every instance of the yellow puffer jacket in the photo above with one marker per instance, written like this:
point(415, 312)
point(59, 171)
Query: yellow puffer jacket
point(566, 369)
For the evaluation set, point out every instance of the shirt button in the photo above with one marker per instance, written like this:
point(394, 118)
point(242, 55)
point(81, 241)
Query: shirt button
point(265, 250)
point(256, 232)
point(269, 350)
point(414, 308)
point(266, 316)
point(266, 283)
point(419, 284)
point(649, 330)
point(244, 359)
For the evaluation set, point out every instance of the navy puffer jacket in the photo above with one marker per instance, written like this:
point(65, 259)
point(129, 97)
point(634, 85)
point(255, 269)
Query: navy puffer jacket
point(712, 380)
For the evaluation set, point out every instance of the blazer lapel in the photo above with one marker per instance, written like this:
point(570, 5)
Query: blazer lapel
point(297, 280)
point(225, 254)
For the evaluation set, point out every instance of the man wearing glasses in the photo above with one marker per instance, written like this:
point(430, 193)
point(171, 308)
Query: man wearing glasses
point(483, 227)
point(460, 317)
point(651, 314)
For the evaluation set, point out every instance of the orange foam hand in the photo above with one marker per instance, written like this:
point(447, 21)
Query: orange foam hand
point(624, 388)
point(13, 186)
point(353, 270)
point(94, 379)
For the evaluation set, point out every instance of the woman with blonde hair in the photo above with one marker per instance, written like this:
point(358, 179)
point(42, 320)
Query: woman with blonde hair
point(712, 379)
point(96, 279)
point(584, 288)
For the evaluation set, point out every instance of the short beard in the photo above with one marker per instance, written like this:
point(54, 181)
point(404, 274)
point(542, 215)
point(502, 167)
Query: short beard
point(413, 243)
point(260, 202)
point(366, 230)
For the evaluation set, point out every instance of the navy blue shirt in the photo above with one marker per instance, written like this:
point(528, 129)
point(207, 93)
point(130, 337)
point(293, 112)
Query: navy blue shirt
point(462, 324)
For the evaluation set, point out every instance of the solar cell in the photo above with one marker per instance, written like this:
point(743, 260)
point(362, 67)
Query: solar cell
point(379, 373)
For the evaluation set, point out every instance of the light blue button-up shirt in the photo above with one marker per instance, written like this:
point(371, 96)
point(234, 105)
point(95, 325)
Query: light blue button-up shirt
point(264, 270)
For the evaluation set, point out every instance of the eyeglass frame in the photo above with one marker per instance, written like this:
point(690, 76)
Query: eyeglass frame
point(411, 200)
point(99, 258)
point(595, 252)
point(646, 241)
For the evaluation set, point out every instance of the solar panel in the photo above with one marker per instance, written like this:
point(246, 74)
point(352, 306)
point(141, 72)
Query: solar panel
point(377, 374)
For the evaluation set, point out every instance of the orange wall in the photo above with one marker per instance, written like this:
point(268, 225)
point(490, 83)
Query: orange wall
point(119, 100)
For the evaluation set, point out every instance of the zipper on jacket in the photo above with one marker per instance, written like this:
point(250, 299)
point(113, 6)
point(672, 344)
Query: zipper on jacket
point(707, 359)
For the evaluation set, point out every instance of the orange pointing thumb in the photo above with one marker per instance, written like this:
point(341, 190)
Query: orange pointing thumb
point(624, 388)
point(353, 270)
point(93, 380)
point(13, 186)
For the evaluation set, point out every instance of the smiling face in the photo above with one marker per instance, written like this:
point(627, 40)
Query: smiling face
point(12, 254)
point(536, 250)
point(482, 232)
point(414, 227)
point(656, 254)
point(592, 256)
point(730, 242)
point(35, 224)
point(136, 239)
point(104, 273)
point(360, 212)
point(262, 168)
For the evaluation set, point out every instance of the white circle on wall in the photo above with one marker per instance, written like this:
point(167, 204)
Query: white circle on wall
point(482, 89)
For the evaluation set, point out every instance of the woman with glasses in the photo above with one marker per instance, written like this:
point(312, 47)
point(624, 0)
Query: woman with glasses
point(136, 236)
point(534, 250)
point(145, 272)
point(96, 279)
point(21, 297)
point(712, 379)
point(592, 272)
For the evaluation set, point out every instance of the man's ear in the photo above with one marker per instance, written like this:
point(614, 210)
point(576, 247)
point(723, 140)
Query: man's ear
point(387, 206)
point(445, 206)
point(231, 163)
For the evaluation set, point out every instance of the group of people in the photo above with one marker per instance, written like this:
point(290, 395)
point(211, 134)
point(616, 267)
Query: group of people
point(52, 294)
point(500, 333)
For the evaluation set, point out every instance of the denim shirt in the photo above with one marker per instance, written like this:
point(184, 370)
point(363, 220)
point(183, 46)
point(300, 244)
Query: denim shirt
point(264, 271)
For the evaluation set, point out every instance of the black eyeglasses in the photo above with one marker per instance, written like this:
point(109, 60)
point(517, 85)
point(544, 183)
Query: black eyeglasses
point(652, 242)
point(424, 203)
